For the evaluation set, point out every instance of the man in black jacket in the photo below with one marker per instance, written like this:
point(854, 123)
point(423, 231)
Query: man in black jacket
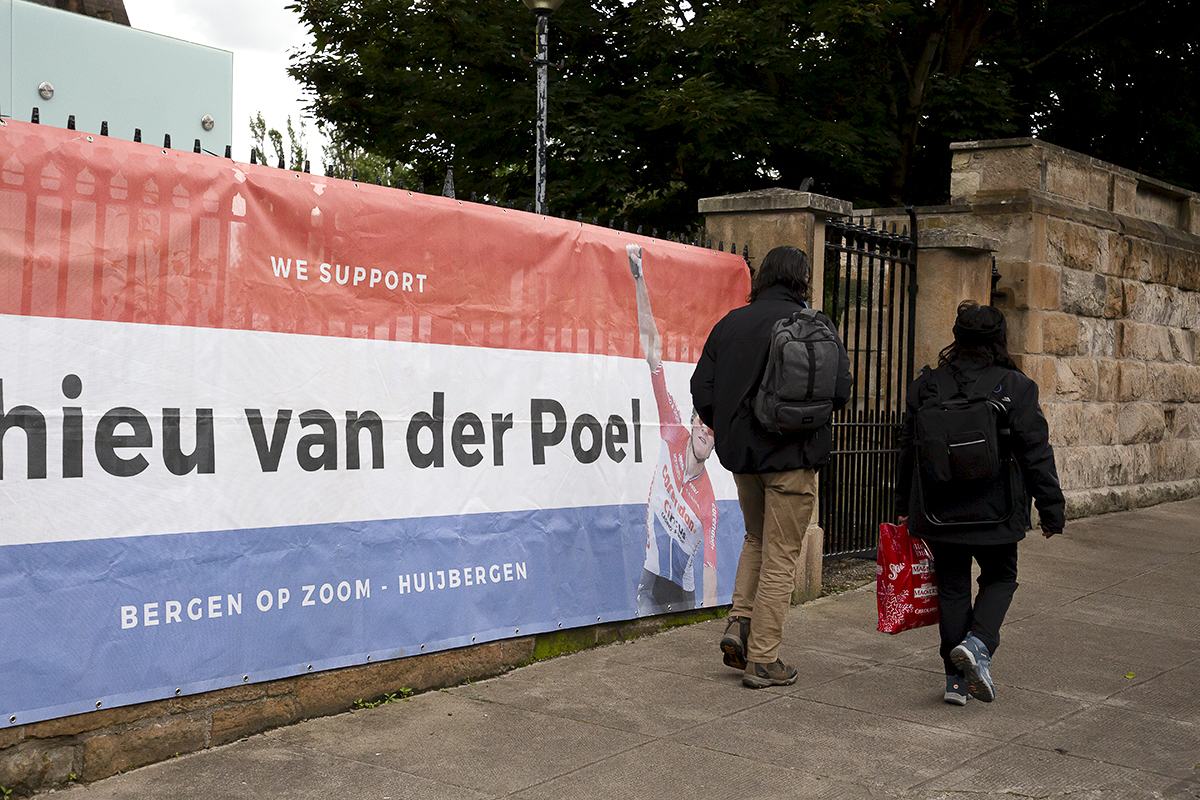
point(971, 633)
point(775, 474)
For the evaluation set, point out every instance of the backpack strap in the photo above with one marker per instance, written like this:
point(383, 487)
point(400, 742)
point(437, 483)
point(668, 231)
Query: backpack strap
point(944, 383)
point(746, 406)
point(990, 383)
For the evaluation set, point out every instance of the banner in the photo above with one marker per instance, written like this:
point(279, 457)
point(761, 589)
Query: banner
point(256, 423)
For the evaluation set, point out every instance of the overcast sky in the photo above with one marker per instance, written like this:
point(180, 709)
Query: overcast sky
point(261, 34)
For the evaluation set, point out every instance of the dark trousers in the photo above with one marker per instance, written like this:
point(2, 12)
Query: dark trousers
point(657, 595)
point(997, 583)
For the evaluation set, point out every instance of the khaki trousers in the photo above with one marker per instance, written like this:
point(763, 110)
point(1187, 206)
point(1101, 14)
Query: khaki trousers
point(777, 507)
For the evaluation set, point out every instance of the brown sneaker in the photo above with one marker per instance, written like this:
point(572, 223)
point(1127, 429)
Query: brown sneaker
point(759, 675)
point(733, 643)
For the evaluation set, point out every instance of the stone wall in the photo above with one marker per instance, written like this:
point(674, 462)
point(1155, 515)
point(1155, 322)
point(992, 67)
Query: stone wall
point(1100, 282)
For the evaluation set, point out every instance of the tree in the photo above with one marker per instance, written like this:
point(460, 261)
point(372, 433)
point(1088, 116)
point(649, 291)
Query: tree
point(296, 154)
point(656, 103)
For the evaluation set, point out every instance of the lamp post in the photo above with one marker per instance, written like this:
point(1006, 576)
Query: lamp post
point(542, 8)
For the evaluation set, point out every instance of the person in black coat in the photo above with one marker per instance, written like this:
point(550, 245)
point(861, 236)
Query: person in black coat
point(775, 474)
point(970, 633)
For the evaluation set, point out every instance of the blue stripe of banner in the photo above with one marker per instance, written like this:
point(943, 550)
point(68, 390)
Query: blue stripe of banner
point(79, 617)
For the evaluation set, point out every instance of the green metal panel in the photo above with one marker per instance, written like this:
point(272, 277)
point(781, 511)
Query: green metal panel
point(102, 71)
point(6, 13)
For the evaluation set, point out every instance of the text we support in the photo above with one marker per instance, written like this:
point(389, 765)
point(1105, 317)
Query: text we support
point(345, 274)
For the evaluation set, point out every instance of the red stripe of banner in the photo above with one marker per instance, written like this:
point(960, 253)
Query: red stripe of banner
point(103, 229)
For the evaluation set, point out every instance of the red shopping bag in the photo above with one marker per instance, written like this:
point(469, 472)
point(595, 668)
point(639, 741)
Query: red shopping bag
point(905, 585)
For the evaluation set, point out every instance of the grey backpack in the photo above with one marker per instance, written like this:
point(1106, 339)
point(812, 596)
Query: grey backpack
point(796, 392)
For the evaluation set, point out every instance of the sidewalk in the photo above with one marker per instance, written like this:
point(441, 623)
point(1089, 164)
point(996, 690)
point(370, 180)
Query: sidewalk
point(1098, 696)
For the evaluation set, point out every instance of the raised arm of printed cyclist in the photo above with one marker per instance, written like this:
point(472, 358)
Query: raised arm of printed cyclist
point(647, 330)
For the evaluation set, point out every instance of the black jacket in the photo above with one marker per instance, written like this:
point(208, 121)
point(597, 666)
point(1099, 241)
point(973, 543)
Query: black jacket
point(1031, 470)
point(729, 371)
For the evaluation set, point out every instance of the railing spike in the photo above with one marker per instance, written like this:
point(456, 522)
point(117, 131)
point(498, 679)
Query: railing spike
point(137, 134)
point(104, 128)
point(306, 166)
point(253, 153)
point(196, 146)
point(70, 122)
point(354, 174)
point(229, 151)
point(282, 164)
point(35, 118)
point(448, 185)
point(166, 141)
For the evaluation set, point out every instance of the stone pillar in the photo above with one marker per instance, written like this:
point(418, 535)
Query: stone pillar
point(952, 266)
point(761, 221)
point(766, 219)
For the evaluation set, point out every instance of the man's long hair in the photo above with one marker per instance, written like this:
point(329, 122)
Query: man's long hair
point(980, 335)
point(787, 266)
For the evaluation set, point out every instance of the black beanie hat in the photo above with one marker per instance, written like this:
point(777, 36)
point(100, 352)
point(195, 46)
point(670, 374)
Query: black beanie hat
point(978, 324)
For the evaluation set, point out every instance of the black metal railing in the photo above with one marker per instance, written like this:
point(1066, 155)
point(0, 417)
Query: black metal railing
point(870, 294)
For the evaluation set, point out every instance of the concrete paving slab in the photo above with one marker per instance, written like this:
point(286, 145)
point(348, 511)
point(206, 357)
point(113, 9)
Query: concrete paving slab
point(1081, 660)
point(594, 687)
point(1175, 582)
point(915, 695)
point(1171, 620)
point(670, 770)
point(1082, 572)
point(846, 625)
point(1171, 694)
point(1029, 772)
point(868, 749)
point(1112, 735)
point(258, 768)
point(462, 742)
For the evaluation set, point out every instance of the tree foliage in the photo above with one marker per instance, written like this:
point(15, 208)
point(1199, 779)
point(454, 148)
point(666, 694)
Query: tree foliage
point(656, 103)
point(296, 153)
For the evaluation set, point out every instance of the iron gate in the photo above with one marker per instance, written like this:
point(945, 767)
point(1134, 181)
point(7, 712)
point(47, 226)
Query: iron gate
point(870, 294)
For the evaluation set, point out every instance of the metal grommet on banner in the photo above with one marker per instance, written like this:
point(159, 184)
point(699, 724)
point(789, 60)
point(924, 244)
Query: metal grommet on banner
point(472, 638)
point(597, 619)
point(178, 692)
point(245, 678)
point(422, 647)
point(13, 718)
point(518, 630)
point(164, 152)
point(99, 703)
point(89, 138)
point(668, 606)
point(368, 658)
point(560, 624)
point(310, 667)
point(3, 124)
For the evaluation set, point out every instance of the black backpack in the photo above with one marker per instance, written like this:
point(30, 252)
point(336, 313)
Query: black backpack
point(798, 383)
point(961, 436)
